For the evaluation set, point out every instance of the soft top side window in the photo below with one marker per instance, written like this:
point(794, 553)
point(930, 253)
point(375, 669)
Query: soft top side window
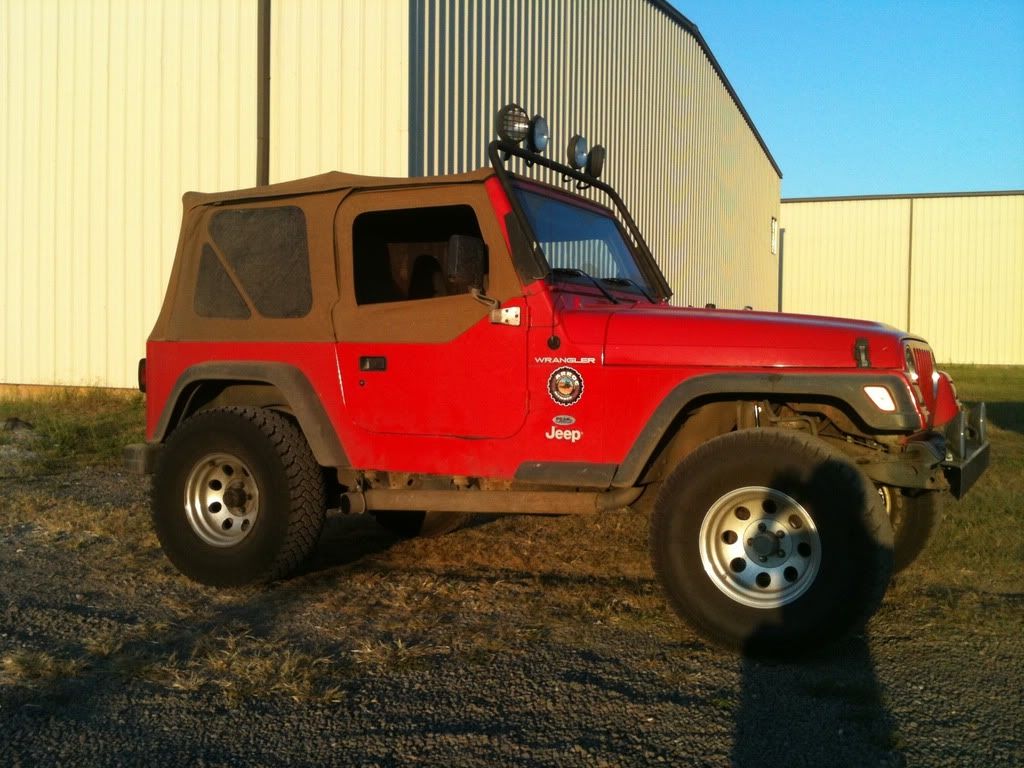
point(402, 255)
point(263, 250)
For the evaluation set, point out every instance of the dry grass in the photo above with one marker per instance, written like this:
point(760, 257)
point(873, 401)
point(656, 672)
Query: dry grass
point(27, 667)
point(240, 665)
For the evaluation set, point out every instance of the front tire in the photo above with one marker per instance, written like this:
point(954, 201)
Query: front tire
point(771, 542)
point(914, 518)
point(237, 497)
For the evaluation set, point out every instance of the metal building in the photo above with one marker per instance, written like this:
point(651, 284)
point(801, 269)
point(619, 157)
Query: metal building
point(111, 109)
point(949, 267)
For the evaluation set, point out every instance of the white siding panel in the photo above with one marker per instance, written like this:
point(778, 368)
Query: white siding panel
point(847, 260)
point(949, 268)
point(339, 93)
point(967, 278)
point(109, 111)
point(625, 75)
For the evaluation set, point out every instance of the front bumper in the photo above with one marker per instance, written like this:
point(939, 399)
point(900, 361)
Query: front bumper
point(967, 449)
point(951, 458)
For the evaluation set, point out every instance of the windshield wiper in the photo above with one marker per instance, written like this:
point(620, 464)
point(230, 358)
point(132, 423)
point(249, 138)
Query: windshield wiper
point(628, 281)
point(580, 273)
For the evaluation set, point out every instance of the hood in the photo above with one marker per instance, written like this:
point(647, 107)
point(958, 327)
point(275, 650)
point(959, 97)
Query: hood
point(675, 336)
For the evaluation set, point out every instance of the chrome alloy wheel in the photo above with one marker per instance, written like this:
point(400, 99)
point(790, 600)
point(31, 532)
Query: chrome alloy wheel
point(760, 547)
point(222, 500)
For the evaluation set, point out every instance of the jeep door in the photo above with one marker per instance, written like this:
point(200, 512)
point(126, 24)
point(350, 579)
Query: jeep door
point(418, 354)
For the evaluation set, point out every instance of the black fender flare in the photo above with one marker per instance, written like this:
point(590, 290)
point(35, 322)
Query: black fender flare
point(298, 392)
point(845, 388)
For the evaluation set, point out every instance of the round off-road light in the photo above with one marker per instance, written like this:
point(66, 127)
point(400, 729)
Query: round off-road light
point(513, 123)
point(577, 152)
point(539, 135)
point(595, 161)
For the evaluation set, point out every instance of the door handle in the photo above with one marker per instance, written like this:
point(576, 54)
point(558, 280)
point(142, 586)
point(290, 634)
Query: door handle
point(373, 363)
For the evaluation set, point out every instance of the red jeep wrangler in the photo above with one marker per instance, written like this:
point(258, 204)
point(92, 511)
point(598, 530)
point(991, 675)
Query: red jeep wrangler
point(425, 348)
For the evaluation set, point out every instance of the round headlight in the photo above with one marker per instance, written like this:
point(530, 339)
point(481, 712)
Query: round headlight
point(577, 152)
point(512, 123)
point(539, 134)
point(908, 355)
point(595, 161)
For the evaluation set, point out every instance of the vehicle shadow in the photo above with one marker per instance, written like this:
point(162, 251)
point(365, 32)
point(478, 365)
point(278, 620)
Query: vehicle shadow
point(1006, 415)
point(824, 706)
point(827, 710)
point(345, 540)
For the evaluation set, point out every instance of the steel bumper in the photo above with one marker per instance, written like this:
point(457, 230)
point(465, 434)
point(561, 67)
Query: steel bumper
point(967, 449)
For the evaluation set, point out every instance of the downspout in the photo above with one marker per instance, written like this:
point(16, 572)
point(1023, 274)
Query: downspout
point(263, 93)
point(782, 251)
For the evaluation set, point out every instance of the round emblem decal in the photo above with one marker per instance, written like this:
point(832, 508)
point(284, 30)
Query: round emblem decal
point(565, 386)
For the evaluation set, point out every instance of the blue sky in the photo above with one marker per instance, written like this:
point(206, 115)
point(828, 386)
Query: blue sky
point(859, 98)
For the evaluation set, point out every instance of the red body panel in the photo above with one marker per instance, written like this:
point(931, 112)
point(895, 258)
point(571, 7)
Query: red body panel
point(434, 416)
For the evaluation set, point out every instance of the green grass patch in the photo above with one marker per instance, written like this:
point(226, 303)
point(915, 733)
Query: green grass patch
point(71, 428)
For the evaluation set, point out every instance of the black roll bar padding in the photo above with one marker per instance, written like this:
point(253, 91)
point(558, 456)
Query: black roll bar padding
point(646, 259)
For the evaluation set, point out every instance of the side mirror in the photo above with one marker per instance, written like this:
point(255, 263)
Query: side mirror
point(467, 261)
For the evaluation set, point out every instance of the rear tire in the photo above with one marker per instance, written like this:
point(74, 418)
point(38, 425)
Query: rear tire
point(237, 497)
point(770, 542)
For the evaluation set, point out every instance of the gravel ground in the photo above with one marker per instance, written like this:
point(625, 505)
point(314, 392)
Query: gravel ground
point(514, 642)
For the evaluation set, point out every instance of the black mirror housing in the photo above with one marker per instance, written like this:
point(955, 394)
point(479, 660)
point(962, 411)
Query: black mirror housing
point(467, 261)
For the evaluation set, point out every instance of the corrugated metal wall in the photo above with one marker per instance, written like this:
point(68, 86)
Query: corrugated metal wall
point(109, 110)
point(339, 87)
point(949, 268)
point(625, 75)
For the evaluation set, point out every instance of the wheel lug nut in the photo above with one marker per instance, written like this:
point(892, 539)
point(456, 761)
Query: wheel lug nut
point(780, 553)
point(762, 527)
point(763, 559)
point(780, 534)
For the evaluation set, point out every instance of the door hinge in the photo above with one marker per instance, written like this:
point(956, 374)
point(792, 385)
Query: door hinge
point(506, 316)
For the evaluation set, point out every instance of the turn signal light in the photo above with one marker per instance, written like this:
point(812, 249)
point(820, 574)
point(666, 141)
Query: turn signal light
point(881, 397)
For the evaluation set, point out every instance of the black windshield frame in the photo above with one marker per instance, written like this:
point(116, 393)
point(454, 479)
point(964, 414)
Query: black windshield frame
point(579, 236)
point(500, 151)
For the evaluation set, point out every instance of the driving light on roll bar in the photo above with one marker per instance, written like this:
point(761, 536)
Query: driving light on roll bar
point(512, 123)
point(577, 152)
point(539, 134)
point(595, 161)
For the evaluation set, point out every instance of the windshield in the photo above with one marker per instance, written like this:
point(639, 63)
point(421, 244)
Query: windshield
point(582, 240)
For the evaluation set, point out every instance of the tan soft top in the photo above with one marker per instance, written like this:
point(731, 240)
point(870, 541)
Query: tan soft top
point(327, 182)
